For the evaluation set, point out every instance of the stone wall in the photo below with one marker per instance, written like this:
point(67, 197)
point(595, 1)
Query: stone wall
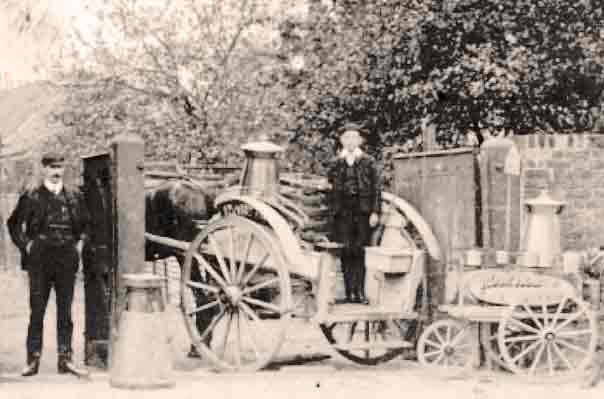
point(572, 168)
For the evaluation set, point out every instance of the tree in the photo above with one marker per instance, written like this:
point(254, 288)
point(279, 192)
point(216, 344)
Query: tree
point(187, 75)
point(401, 67)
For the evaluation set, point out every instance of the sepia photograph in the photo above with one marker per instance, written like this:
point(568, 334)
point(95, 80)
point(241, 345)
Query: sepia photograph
point(301, 199)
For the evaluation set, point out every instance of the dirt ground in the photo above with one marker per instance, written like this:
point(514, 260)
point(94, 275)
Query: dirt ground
point(331, 376)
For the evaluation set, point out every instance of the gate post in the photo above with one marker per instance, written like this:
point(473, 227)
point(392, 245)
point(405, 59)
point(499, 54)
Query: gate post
point(140, 355)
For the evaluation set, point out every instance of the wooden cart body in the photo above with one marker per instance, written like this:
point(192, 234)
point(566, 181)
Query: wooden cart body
point(278, 251)
point(530, 321)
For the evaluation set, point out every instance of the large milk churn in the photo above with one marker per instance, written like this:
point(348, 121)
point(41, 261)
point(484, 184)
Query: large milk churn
point(542, 234)
point(260, 176)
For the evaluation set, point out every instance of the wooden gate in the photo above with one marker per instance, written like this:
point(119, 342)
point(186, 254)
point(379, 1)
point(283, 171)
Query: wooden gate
point(444, 186)
point(99, 261)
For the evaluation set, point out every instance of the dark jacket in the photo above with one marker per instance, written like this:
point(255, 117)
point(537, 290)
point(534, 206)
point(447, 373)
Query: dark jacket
point(29, 218)
point(368, 185)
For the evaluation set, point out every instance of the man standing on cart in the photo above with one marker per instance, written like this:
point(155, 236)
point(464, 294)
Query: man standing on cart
point(354, 204)
point(49, 226)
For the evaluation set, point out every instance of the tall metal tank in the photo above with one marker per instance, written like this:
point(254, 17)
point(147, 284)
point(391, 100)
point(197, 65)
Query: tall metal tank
point(260, 175)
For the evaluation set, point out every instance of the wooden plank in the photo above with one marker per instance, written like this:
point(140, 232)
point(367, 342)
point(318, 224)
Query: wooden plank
point(358, 312)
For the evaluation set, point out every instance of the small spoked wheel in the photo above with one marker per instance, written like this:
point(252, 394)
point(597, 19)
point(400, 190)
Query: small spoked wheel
point(235, 294)
point(447, 344)
point(548, 341)
point(370, 342)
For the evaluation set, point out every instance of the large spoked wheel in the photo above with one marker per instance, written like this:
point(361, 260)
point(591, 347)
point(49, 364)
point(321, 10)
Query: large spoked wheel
point(545, 342)
point(447, 344)
point(235, 294)
point(369, 342)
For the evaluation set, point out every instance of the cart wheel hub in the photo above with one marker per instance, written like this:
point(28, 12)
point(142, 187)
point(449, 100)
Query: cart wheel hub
point(234, 294)
point(550, 336)
point(449, 350)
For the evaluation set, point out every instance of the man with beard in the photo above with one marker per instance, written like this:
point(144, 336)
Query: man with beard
point(355, 203)
point(49, 226)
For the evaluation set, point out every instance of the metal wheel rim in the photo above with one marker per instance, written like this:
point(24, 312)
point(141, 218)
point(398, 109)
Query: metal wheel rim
point(238, 315)
point(442, 340)
point(359, 329)
point(542, 347)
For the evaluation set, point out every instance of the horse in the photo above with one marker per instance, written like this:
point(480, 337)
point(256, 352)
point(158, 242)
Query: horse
point(172, 210)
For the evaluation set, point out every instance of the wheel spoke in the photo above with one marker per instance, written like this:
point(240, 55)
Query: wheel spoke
point(550, 363)
point(439, 337)
point(262, 304)
point(537, 357)
point(533, 316)
point(250, 334)
point(257, 266)
point(521, 338)
point(367, 333)
point(202, 286)
point(525, 351)
point(569, 320)
point(433, 353)
point(250, 312)
point(434, 344)
point(448, 334)
point(212, 325)
point(351, 332)
point(522, 324)
point(261, 285)
point(237, 339)
point(227, 332)
point(244, 257)
point(207, 267)
point(440, 358)
point(558, 312)
point(561, 355)
point(232, 259)
point(574, 347)
point(544, 313)
point(204, 307)
point(461, 334)
point(218, 253)
point(575, 333)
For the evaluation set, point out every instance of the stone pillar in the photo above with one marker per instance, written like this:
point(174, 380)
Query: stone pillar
point(140, 352)
point(127, 153)
point(500, 196)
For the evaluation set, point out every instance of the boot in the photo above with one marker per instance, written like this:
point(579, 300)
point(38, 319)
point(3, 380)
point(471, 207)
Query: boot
point(65, 365)
point(33, 365)
point(193, 353)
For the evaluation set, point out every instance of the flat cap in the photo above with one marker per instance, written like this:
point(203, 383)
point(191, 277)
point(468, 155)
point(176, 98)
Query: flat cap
point(52, 158)
point(351, 126)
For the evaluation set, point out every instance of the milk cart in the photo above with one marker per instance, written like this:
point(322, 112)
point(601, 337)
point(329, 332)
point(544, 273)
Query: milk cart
point(256, 272)
point(526, 313)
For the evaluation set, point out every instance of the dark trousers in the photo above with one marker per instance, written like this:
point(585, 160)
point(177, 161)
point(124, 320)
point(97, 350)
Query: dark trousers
point(351, 227)
point(51, 266)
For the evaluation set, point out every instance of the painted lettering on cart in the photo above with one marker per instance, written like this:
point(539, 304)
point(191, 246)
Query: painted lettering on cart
point(508, 287)
point(510, 282)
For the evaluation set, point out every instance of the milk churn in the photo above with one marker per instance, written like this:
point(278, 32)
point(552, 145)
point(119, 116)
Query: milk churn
point(542, 234)
point(260, 176)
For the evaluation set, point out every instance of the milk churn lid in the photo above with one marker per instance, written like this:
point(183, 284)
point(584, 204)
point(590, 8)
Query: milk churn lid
point(544, 199)
point(262, 146)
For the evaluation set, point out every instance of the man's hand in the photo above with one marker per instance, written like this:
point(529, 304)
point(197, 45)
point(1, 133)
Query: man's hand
point(373, 219)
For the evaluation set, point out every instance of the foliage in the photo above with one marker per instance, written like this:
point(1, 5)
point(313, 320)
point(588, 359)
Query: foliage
point(193, 77)
point(406, 67)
